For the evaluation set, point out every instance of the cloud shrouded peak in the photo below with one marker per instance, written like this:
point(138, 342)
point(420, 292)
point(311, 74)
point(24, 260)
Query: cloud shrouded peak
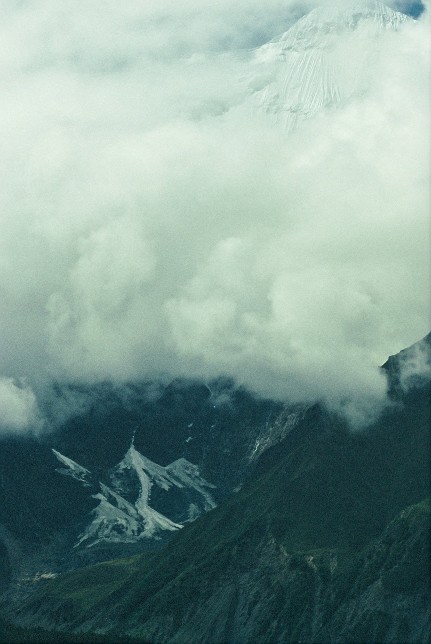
point(322, 61)
point(159, 218)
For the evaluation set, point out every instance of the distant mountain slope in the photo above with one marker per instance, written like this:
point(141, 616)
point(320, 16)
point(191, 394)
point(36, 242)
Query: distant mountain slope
point(329, 541)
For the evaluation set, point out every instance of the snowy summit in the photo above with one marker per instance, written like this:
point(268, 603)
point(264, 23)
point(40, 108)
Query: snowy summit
point(320, 62)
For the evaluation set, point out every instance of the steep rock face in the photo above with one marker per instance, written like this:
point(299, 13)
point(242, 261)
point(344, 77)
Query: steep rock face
point(321, 62)
point(178, 480)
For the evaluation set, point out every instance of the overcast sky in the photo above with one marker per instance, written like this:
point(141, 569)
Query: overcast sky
point(151, 226)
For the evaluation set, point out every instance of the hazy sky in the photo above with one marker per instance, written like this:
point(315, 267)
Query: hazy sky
point(152, 225)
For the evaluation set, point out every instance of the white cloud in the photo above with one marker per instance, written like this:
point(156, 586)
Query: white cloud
point(415, 365)
point(18, 407)
point(151, 225)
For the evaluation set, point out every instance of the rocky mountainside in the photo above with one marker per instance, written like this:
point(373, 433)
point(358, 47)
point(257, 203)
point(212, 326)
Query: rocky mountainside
point(124, 472)
point(327, 542)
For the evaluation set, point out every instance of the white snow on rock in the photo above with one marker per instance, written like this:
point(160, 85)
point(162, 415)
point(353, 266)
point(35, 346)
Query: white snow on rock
point(277, 431)
point(115, 520)
point(72, 469)
point(180, 474)
point(124, 513)
point(320, 62)
point(185, 474)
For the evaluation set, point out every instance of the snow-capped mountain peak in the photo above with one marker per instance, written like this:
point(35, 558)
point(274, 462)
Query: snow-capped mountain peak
point(321, 62)
point(346, 15)
point(137, 475)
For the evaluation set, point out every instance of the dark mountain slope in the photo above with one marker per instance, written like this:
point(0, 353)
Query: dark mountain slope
point(318, 546)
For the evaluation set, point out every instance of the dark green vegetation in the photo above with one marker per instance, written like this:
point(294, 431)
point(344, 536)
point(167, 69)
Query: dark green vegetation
point(327, 542)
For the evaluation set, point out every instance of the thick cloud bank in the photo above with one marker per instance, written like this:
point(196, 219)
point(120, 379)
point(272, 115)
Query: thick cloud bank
point(154, 224)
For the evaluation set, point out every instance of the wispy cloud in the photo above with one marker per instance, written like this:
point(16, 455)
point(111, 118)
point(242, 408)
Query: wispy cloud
point(18, 407)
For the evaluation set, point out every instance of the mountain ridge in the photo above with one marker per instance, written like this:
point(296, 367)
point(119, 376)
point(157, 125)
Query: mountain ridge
point(328, 541)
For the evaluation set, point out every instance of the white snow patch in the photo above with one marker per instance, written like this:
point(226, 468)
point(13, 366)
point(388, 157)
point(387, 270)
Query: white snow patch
point(186, 474)
point(277, 431)
point(115, 520)
point(72, 468)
